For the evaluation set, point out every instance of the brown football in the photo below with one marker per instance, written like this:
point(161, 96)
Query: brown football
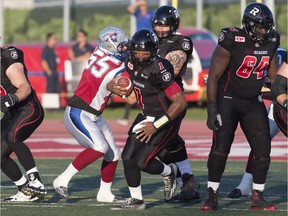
point(126, 83)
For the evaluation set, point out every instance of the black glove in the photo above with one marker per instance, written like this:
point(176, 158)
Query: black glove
point(214, 118)
point(7, 101)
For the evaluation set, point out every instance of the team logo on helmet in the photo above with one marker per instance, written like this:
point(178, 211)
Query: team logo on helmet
point(111, 37)
point(175, 14)
point(14, 54)
point(255, 11)
point(166, 76)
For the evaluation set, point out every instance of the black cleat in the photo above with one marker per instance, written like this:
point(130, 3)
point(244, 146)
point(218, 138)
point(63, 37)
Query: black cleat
point(259, 203)
point(211, 202)
point(236, 193)
point(190, 188)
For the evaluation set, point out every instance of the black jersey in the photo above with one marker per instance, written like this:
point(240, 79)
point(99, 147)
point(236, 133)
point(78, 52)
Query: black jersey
point(149, 85)
point(10, 55)
point(177, 42)
point(244, 75)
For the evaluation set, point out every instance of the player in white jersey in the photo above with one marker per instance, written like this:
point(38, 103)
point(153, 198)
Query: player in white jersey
point(83, 119)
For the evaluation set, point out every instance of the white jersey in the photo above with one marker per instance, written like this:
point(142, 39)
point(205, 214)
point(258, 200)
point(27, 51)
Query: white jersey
point(91, 131)
point(100, 70)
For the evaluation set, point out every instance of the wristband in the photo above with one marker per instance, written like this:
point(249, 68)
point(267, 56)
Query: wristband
point(161, 121)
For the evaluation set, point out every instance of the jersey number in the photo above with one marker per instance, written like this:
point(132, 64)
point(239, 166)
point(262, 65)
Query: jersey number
point(98, 64)
point(249, 66)
point(139, 97)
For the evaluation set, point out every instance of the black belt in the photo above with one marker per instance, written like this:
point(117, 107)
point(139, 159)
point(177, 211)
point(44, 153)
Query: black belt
point(79, 103)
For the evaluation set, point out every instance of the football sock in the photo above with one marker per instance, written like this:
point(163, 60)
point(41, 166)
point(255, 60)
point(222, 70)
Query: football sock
point(259, 187)
point(184, 167)
point(108, 170)
point(104, 193)
point(136, 192)
point(21, 182)
point(66, 176)
point(179, 181)
point(86, 157)
point(213, 185)
point(246, 184)
point(33, 174)
point(167, 170)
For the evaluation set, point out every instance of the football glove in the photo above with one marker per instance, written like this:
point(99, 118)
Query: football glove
point(214, 118)
point(7, 101)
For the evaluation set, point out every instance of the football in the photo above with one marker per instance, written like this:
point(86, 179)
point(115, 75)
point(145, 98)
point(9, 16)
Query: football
point(126, 83)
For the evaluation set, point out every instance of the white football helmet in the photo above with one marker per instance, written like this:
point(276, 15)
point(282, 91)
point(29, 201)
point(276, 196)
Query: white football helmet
point(114, 40)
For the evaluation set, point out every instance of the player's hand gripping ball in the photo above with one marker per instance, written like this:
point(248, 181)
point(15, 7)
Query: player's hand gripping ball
point(126, 83)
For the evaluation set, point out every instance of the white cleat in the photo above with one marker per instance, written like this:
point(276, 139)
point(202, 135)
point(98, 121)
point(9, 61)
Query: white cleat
point(21, 197)
point(34, 188)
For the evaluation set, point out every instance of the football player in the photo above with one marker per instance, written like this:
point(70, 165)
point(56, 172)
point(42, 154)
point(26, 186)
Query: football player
point(177, 49)
point(163, 103)
point(23, 113)
point(279, 91)
point(234, 85)
point(83, 119)
point(245, 186)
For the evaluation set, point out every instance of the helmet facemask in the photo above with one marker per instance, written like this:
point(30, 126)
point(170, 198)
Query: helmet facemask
point(258, 32)
point(143, 48)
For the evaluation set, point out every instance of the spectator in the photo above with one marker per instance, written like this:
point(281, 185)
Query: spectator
point(234, 85)
point(49, 62)
point(82, 49)
point(82, 116)
point(142, 14)
point(23, 113)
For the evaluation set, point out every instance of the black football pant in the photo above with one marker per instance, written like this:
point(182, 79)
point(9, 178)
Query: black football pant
point(252, 116)
point(16, 126)
point(139, 156)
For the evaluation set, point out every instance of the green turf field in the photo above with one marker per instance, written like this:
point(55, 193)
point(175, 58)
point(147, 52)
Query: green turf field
point(84, 186)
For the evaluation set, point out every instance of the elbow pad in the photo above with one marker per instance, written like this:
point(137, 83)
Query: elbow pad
point(279, 86)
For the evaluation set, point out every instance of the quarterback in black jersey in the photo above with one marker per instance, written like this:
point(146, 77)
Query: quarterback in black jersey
point(162, 102)
point(23, 113)
point(233, 91)
point(279, 91)
point(176, 48)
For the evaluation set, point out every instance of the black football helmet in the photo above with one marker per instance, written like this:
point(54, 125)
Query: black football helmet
point(258, 16)
point(166, 16)
point(143, 40)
